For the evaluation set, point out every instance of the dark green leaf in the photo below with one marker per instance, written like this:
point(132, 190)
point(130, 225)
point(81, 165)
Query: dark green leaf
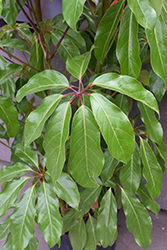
point(25, 31)
point(8, 88)
point(157, 85)
point(5, 226)
point(27, 155)
point(33, 245)
point(8, 71)
point(15, 44)
point(91, 241)
point(122, 102)
point(3, 133)
point(0, 7)
point(36, 56)
point(9, 12)
point(144, 77)
point(8, 244)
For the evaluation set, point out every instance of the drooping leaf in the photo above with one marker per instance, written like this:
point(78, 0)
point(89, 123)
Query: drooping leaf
point(128, 86)
point(72, 11)
point(36, 119)
point(157, 85)
point(48, 79)
point(33, 245)
point(91, 241)
point(8, 71)
point(27, 155)
point(86, 158)
point(22, 220)
point(5, 226)
point(157, 5)
point(106, 29)
point(48, 215)
point(147, 200)
point(115, 127)
point(9, 196)
point(152, 171)
point(130, 174)
point(153, 127)
point(128, 46)
point(78, 235)
point(144, 12)
point(15, 44)
point(7, 173)
point(138, 220)
point(56, 134)
point(106, 230)
point(8, 244)
point(157, 39)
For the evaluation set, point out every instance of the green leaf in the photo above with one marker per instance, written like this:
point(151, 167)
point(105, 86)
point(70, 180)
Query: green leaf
point(15, 44)
point(130, 174)
point(48, 216)
point(128, 46)
point(22, 220)
point(152, 171)
point(9, 70)
point(78, 65)
point(0, 7)
point(56, 134)
point(147, 200)
point(7, 173)
point(157, 39)
point(91, 241)
point(164, 9)
point(9, 12)
point(35, 121)
point(144, 12)
point(153, 127)
point(115, 127)
point(157, 5)
point(48, 79)
point(138, 220)
point(9, 115)
point(106, 29)
point(109, 166)
point(72, 11)
point(106, 230)
point(122, 102)
point(157, 85)
point(36, 56)
point(5, 226)
point(33, 245)
point(86, 158)
point(9, 196)
point(8, 244)
point(3, 133)
point(8, 88)
point(27, 155)
point(144, 77)
point(128, 86)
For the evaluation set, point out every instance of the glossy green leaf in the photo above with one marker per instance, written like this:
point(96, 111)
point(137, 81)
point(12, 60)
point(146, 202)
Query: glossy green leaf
point(9, 12)
point(33, 245)
point(8, 88)
point(115, 127)
point(22, 220)
point(5, 226)
point(153, 127)
point(157, 5)
point(109, 166)
point(128, 86)
point(106, 29)
point(122, 102)
point(157, 85)
point(144, 12)
point(9, 196)
point(138, 220)
point(36, 56)
point(130, 174)
point(48, 215)
point(161, 148)
point(128, 46)
point(48, 79)
point(9, 115)
point(152, 171)
point(86, 158)
point(27, 155)
point(72, 11)
point(37, 118)
point(164, 9)
point(78, 235)
point(91, 241)
point(8, 71)
point(147, 200)
point(157, 39)
point(106, 230)
point(15, 44)
point(0, 7)
point(8, 244)
point(56, 134)
point(7, 173)
point(78, 65)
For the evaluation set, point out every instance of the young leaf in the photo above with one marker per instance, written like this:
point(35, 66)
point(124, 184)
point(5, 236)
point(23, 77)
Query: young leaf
point(22, 220)
point(91, 241)
point(15, 44)
point(138, 220)
point(128, 86)
point(48, 79)
point(56, 134)
point(157, 85)
point(27, 155)
point(7, 173)
point(86, 158)
point(5, 226)
point(144, 12)
point(9, 196)
point(106, 29)
point(37, 118)
point(128, 46)
point(8, 71)
point(33, 245)
point(115, 127)
point(152, 171)
point(106, 230)
point(130, 174)
point(49, 218)
point(8, 244)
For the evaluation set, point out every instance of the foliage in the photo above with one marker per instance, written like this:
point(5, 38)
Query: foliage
point(81, 144)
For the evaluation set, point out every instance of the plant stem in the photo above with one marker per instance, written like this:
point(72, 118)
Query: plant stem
point(105, 6)
point(38, 10)
point(93, 15)
point(5, 144)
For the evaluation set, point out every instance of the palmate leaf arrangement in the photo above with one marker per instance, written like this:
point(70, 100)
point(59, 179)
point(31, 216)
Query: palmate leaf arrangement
point(81, 145)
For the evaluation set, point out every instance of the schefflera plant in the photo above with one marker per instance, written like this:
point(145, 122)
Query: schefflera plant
point(86, 155)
